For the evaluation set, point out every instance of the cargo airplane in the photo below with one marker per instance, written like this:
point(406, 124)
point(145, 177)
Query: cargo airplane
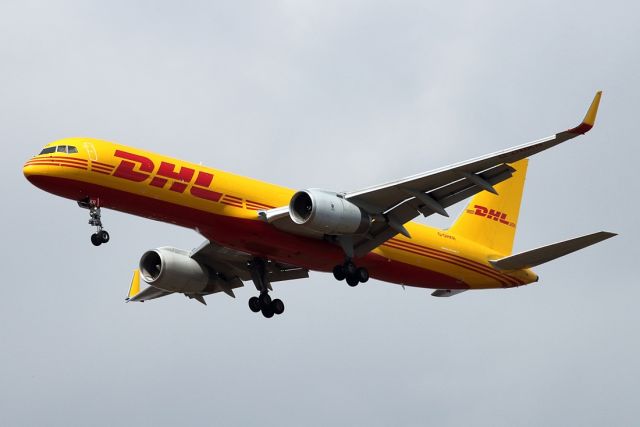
point(265, 233)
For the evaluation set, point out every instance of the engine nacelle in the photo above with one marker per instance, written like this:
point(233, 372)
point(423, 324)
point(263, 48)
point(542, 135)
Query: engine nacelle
point(171, 269)
point(325, 212)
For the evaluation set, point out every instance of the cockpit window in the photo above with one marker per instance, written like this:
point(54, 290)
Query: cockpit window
point(70, 149)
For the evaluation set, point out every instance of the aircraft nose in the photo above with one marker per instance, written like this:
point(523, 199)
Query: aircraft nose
point(32, 168)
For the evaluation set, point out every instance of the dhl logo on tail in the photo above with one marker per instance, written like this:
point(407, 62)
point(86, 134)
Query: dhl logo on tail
point(493, 214)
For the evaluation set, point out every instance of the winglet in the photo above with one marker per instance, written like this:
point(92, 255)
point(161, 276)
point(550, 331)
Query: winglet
point(589, 118)
point(134, 289)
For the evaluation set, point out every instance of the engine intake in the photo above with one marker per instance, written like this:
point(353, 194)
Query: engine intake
point(172, 270)
point(326, 212)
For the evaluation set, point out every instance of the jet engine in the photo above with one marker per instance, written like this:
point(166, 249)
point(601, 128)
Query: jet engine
point(173, 270)
point(328, 213)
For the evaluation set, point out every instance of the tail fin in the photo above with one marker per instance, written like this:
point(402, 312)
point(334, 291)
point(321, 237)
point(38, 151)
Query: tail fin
point(489, 219)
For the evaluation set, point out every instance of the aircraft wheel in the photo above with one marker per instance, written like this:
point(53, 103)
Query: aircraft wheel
point(95, 239)
point(362, 274)
point(352, 280)
point(265, 300)
point(278, 306)
point(254, 304)
point(268, 311)
point(339, 272)
point(104, 236)
point(350, 269)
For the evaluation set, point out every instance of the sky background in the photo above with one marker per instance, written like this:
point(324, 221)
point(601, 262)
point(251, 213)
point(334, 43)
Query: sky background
point(338, 95)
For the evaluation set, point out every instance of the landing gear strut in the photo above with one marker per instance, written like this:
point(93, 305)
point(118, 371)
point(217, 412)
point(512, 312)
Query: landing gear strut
point(263, 302)
point(100, 236)
point(351, 273)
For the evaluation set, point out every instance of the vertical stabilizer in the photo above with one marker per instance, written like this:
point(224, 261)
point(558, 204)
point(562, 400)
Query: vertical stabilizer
point(489, 219)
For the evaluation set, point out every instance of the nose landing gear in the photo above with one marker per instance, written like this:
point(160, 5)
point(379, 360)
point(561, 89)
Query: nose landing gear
point(100, 236)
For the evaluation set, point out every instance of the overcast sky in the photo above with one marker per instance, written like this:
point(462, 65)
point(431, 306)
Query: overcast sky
point(338, 95)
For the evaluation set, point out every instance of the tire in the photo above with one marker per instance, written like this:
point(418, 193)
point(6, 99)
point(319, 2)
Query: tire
point(104, 236)
point(339, 273)
point(350, 269)
point(268, 312)
point(278, 306)
point(254, 304)
point(362, 274)
point(352, 280)
point(265, 300)
point(95, 239)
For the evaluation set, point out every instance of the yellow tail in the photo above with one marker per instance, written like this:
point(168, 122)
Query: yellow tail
point(490, 220)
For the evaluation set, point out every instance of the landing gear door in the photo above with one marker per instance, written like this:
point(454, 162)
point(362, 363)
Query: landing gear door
point(91, 151)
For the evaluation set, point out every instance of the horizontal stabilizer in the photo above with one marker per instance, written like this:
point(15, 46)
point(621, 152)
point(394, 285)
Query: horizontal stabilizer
point(548, 253)
point(442, 293)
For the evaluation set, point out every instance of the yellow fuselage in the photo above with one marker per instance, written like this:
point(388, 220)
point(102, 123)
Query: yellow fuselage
point(224, 207)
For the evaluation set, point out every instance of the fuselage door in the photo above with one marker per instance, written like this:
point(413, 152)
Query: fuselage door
point(91, 151)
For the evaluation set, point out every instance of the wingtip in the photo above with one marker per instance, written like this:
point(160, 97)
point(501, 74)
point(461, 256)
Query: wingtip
point(590, 118)
point(601, 236)
point(134, 288)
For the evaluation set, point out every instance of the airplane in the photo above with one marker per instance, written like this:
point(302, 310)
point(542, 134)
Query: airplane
point(264, 233)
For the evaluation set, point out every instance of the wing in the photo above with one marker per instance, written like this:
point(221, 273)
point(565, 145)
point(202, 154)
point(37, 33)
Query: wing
point(148, 294)
point(231, 269)
point(398, 202)
point(135, 294)
point(231, 263)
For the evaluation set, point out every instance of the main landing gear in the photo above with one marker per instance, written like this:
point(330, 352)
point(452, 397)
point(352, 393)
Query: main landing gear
point(263, 302)
point(266, 305)
point(100, 236)
point(354, 275)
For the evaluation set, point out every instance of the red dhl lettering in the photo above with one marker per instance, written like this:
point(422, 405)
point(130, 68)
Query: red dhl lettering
point(126, 168)
point(201, 187)
point(167, 171)
point(491, 214)
point(137, 168)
